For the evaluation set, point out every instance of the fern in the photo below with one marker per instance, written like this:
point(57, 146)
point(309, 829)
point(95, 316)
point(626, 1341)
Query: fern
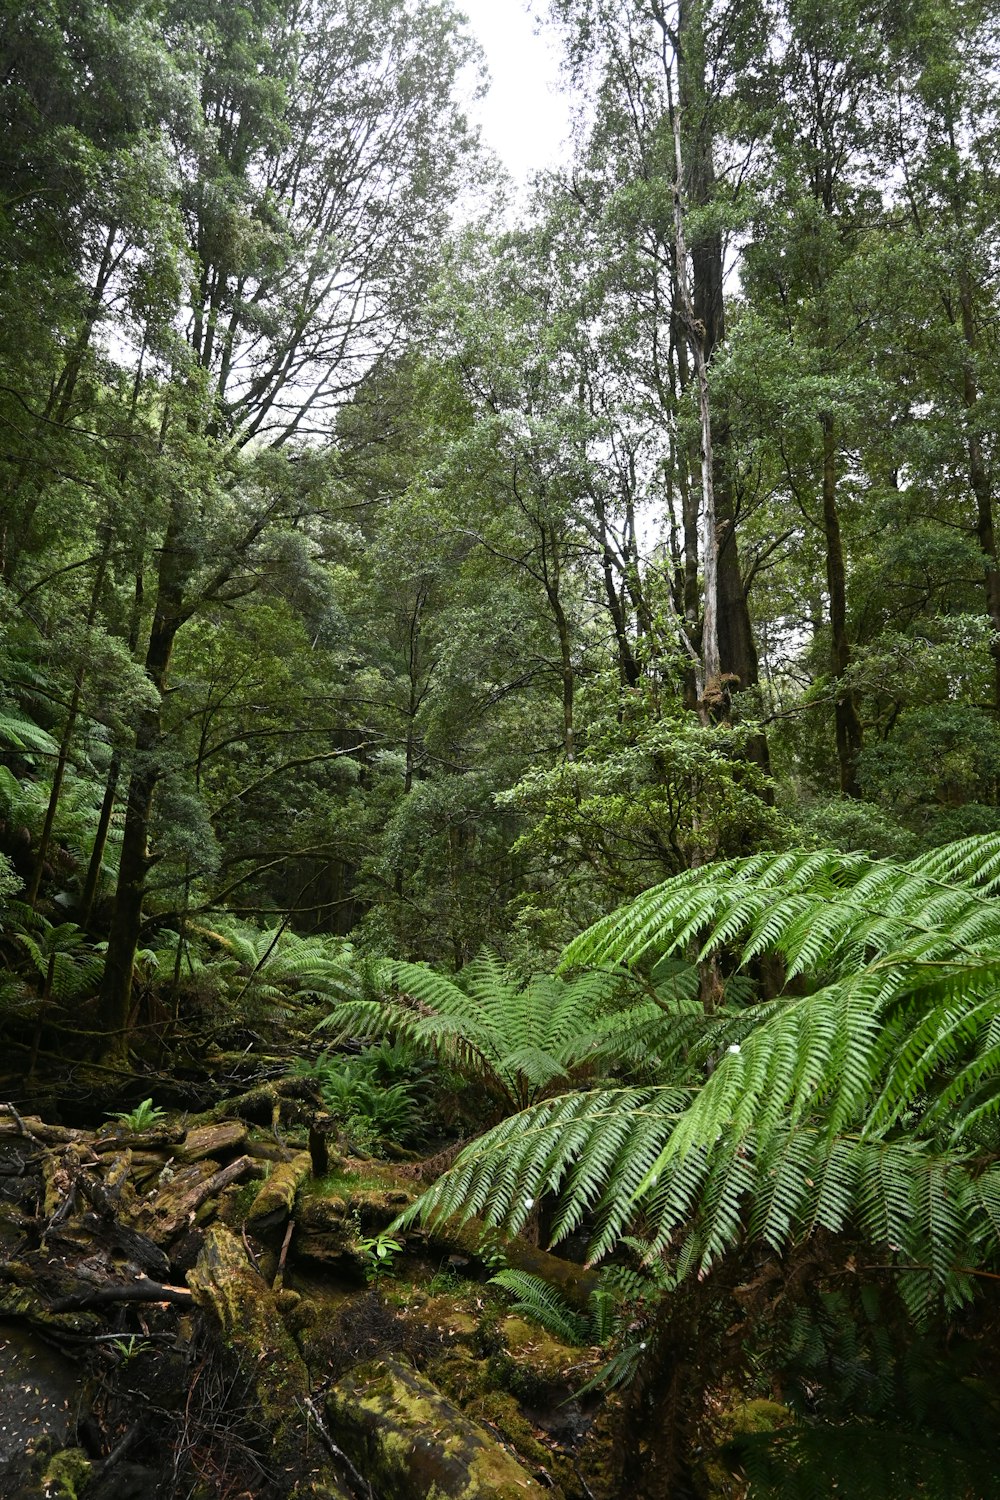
point(868, 1102)
point(521, 1041)
point(535, 1299)
point(25, 734)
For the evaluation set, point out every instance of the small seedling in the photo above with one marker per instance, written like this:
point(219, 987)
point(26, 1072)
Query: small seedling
point(143, 1117)
point(378, 1253)
point(130, 1348)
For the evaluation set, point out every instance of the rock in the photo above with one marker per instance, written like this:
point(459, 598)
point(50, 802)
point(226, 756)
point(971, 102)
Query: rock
point(40, 1400)
point(411, 1442)
point(538, 1367)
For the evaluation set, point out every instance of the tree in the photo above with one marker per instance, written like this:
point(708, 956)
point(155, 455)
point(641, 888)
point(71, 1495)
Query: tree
point(311, 146)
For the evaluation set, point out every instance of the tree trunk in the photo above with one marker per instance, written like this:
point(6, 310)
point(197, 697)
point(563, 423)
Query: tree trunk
point(848, 724)
point(169, 615)
point(111, 785)
point(979, 480)
point(738, 662)
point(69, 728)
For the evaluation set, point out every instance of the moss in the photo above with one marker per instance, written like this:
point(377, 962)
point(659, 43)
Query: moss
point(67, 1473)
point(534, 1364)
point(454, 1318)
point(276, 1194)
point(760, 1416)
point(241, 1305)
point(717, 1480)
point(358, 1177)
point(411, 1442)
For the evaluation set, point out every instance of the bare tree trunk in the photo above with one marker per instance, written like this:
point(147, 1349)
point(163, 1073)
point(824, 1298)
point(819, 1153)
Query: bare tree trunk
point(69, 728)
point(111, 785)
point(979, 480)
point(710, 666)
point(847, 722)
point(739, 665)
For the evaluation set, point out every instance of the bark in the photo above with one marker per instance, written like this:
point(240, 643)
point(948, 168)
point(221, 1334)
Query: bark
point(979, 480)
point(111, 785)
point(711, 667)
point(738, 662)
point(628, 668)
point(69, 728)
point(170, 614)
point(847, 722)
point(551, 577)
point(242, 1308)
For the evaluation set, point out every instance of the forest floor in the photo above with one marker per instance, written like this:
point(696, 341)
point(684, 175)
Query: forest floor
point(213, 1303)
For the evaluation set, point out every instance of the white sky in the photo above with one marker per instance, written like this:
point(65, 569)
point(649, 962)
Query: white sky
point(524, 117)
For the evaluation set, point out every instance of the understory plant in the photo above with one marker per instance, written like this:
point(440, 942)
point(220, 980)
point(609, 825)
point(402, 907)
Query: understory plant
point(379, 1095)
point(850, 1125)
point(517, 1040)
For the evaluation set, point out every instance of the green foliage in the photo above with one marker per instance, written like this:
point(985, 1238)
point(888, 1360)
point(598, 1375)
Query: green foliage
point(617, 1314)
point(379, 1095)
point(10, 884)
point(144, 1117)
point(535, 1299)
point(64, 965)
point(266, 967)
point(865, 1099)
point(378, 1253)
point(521, 1040)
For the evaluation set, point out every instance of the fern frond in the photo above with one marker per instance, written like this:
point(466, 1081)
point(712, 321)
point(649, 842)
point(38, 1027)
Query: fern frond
point(535, 1299)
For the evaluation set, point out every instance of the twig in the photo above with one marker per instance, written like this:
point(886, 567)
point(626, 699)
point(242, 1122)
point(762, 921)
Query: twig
point(276, 1284)
point(22, 1127)
point(361, 1484)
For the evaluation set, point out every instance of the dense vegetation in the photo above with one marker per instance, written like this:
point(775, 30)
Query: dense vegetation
point(566, 651)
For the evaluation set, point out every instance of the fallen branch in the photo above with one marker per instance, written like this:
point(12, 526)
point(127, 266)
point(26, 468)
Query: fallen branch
point(133, 1291)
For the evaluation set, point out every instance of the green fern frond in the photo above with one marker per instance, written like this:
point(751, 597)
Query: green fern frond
point(25, 734)
point(535, 1299)
point(859, 1104)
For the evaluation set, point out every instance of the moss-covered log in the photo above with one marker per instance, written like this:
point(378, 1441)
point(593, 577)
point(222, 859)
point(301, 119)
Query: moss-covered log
point(410, 1442)
point(274, 1202)
point(240, 1306)
point(179, 1199)
point(212, 1140)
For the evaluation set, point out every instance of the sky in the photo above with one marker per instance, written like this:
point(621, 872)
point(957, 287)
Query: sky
point(524, 117)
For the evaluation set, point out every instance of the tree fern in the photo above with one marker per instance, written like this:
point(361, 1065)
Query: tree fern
point(863, 1100)
point(522, 1041)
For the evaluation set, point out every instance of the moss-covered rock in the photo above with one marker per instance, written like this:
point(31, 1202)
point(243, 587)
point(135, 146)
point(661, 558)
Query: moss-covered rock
point(414, 1444)
point(717, 1477)
point(538, 1367)
point(66, 1475)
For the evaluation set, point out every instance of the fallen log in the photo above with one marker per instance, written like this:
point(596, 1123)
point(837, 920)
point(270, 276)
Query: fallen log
point(177, 1201)
point(34, 1129)
point(481, 1243)
point(212, 1140)
point(276, 1198)
point(241, 1307)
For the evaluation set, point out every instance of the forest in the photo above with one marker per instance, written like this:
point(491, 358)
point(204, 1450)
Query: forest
point(499, 756)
